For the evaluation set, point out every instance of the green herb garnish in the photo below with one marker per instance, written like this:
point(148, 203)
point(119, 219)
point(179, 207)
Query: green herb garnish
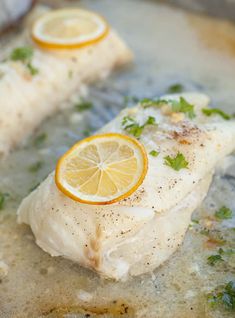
point(213, 259)
point(148, 102)
point(35, 166)
point(2, 200)
point(86, 132)
point(182, 106)
point(33, 70)
point(25, 55)
point(132, 127)
point(3, 197)
point(223, 213)
point(40, 139)
point(175, 88)
point(215, 111)
point(223, 296)
point(177, 163)
point(83, 106)
point(154, 153)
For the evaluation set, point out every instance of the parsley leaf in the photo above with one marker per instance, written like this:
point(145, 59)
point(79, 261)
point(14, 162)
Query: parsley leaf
point(182, 106)
point(211, 260)
point(83, 106)
point(175, 88)
point(2, 200)
point(148, 102)
point(154, 153)
point(3, 197)
point(22, 54)
point(40, 139)
point(25, 55)
point(32, 69)
point(86, 132)
point(35, 166)
point(223, 213)
point(132, 127)
point(223, 295)
point(215, 111)
point(178, 162)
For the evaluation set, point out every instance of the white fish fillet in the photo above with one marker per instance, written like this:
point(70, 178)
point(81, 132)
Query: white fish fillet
point(139, 233)
point(26, 100)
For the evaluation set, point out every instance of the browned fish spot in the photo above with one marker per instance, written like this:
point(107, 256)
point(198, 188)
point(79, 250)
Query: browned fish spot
point(184, 142)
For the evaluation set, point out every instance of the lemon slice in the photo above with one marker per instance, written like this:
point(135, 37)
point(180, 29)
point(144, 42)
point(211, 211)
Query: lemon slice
point(69, 28)
point(102, 169)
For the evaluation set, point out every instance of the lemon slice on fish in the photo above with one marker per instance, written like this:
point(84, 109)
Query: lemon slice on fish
point(69, 28)
point(102, 169)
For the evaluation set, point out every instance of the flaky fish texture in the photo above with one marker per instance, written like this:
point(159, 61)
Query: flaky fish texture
point(139, 233)
point(26, 99)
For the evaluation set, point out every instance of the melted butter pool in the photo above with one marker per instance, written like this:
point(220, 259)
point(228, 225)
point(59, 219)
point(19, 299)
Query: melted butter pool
point(170, 47)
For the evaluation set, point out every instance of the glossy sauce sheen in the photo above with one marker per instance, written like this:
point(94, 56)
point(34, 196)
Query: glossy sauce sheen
point(169, 48)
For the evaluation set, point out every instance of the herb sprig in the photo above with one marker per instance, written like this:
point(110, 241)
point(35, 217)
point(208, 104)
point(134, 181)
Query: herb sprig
point(177, 163)
point(3, 197)
point(216, 111)
point(224, 213)
point(25, 55)
point(175, 88)
point(133, 128)
point(83, 106)
point(177, 106)
point(223, 296)
point(154, 153)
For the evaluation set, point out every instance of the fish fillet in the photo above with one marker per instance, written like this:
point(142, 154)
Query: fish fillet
point(26, 100)
point(139, 233)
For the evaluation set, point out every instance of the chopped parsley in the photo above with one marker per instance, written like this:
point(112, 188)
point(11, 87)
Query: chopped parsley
point(224, 296)
point(213, 259)
point(25, 55)
point(223, 213)
point(132, 127)
point(3, 197)
point(35, 166)
point(40, 139)
point(154, 153)
point(175, 88)
point(2, 200)
point(86, 132)
point(178, 106)
point(182, 106)
point(215, 111)
point(32, 69)
point(177, 163)
point(148, 102)
point(83, 106)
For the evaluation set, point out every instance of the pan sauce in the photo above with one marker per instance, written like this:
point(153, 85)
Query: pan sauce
point(169, 48)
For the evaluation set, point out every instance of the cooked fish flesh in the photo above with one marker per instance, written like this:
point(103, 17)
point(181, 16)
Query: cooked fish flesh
point(26, 99)
point(139, 233)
